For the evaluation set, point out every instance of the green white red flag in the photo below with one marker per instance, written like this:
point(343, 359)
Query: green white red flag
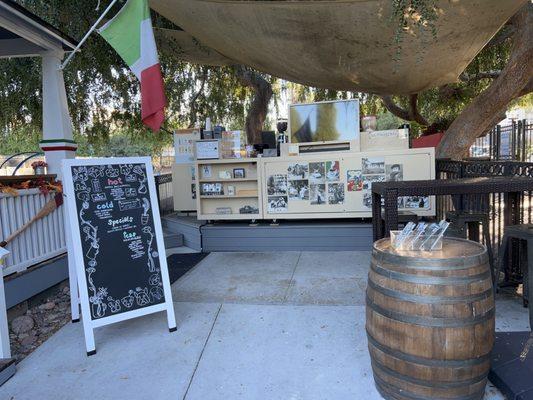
point(131, 34)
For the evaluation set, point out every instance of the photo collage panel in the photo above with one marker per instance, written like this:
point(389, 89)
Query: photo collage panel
point(318, 183)
point(375, 170)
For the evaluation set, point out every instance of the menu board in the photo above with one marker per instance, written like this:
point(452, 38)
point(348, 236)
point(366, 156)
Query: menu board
point(117, 241)
point(116, 225)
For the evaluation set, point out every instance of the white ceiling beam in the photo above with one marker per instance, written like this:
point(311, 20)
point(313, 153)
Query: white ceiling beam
point(20, 25)
point(18, 48)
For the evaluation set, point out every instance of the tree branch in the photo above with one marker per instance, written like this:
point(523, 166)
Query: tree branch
point(257, 113)
point(390, 105)
point(514, 81)
point(503, 34)
point(192, 116)
point(412, 114)
point(465, 77)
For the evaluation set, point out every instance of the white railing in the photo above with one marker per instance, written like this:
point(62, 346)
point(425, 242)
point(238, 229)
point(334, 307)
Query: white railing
point(43, 240)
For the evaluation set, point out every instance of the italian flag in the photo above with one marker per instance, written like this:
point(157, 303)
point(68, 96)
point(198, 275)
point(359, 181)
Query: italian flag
point(130, 33)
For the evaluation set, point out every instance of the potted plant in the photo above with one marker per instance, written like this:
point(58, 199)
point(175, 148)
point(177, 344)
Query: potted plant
point(39, 167)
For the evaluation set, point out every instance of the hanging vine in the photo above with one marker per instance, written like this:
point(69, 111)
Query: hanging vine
point(413, 15)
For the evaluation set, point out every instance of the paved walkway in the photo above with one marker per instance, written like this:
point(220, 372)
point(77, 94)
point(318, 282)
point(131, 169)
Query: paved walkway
point(287, 326)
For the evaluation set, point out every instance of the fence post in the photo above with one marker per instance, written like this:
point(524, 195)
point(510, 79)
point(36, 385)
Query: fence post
point(498, 141)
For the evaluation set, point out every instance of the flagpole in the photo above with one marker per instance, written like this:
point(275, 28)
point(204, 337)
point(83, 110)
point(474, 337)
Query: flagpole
point(62, 66)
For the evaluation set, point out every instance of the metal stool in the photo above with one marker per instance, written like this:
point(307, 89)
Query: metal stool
point(524, 233)
point(465, 225)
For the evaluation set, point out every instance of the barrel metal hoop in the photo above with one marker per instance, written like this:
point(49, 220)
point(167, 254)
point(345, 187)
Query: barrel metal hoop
point(423, 299)
point(429, 321)
point(382, 384)
point(431, 264)
point(429, 280)
point(428, 362)
point(480, 258)
point(426, 383)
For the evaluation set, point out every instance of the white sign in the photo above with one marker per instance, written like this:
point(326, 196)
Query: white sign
point(116, 241)
point(505, 144)
point(207, 149)
point(184, 145)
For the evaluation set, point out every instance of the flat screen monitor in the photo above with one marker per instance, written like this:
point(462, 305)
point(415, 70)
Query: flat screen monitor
point(324, 121)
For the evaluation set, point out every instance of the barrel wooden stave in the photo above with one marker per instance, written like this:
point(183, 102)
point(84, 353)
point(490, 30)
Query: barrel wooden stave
point(430, 326)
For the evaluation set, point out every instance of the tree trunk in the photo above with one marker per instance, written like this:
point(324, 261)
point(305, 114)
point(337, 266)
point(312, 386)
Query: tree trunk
point(487, 108)
point(258, 111)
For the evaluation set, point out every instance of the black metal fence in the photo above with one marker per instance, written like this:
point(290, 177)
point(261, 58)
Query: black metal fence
point(497, 205)
point(165, 196)
point(509, 142)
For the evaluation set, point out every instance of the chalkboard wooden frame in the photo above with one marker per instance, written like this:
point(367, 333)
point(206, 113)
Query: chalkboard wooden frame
point(75, 249)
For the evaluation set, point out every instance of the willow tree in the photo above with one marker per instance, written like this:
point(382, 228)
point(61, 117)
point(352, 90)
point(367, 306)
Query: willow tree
point(103, 94)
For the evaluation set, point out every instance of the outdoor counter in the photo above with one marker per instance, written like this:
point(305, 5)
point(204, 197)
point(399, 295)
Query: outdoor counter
point(307, 186)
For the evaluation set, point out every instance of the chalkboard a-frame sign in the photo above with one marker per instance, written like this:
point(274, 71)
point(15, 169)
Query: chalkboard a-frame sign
point(116, 241)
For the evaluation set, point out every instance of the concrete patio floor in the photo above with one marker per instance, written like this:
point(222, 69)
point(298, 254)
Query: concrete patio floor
point(286, 326)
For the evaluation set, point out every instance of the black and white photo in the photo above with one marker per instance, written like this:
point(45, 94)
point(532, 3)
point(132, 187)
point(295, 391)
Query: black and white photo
point(317, 172)
point(298, 171)
point(277, 204)
point(367, 199)
point(317, 194)
point(211, 189)
point(369, 179)
point(206, 171)
point(277, 185)
point(299, 190)
point(416, 202)
point(336, 193)
point(394, 172)
point(239, 173)
point(374, 165)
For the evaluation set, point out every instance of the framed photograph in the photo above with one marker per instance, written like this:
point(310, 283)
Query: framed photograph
point(207, 149)
point(248, 209)
point(231, 190)
point(206, 171)
point(224, 175)
point(239, 173)
point(211, 189)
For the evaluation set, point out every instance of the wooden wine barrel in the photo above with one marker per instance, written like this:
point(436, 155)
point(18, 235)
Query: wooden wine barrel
point(430, 321)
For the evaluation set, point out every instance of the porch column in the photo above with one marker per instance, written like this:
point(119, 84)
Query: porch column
point(58, 142)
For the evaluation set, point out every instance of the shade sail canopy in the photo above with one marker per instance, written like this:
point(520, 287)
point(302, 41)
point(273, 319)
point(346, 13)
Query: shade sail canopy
point(341, 44)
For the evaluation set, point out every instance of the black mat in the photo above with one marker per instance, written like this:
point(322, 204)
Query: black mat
point(180, 264)
point(513, 377)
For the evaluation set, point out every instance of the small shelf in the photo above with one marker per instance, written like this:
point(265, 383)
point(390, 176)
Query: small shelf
point(227, 196)
point(228, 180)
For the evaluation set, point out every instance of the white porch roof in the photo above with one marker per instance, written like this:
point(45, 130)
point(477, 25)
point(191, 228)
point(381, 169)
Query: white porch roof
point(23, 34)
